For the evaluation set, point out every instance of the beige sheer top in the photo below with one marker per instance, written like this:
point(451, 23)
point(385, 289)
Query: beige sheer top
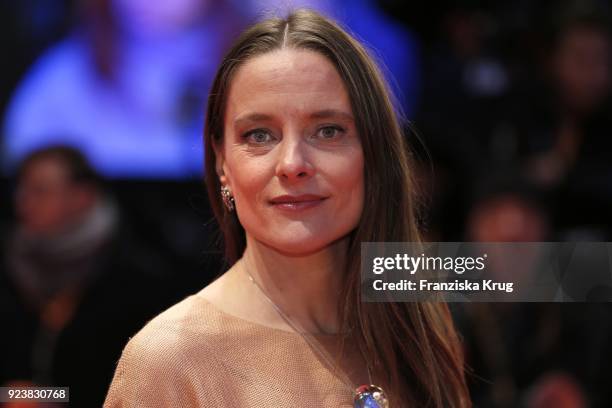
point(195, 355)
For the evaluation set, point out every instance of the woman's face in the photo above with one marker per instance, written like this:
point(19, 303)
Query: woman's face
point(291, 155)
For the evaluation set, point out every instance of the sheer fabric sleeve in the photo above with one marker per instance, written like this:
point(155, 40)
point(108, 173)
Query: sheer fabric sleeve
point(154, 372)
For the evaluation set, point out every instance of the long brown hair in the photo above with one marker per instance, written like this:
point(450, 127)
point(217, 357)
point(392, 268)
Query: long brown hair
point(414, 344)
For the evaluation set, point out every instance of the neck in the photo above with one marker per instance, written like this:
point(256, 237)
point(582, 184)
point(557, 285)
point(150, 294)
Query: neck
point(306, 288)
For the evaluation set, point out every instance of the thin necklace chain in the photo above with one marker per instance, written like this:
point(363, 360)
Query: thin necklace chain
point(313, 343)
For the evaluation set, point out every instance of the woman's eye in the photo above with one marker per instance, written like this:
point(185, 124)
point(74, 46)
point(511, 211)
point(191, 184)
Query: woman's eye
point(330, 132)
point(258, 136)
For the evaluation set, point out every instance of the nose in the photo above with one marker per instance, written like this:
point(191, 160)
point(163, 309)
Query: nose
point(293, 162)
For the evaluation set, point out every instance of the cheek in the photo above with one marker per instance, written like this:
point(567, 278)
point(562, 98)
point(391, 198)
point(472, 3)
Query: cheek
point(358, 196)
point(247, 178)
point(352, 172)
point(349, 182)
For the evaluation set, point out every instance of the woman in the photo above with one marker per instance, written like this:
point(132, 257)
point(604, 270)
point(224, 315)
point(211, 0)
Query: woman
point(305, 160)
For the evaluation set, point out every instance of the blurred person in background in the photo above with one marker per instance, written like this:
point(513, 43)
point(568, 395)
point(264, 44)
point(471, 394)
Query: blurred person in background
point(464, 80)
point(533, 355)
point(507, 208)
point(580, 77)
point(565, 123)
point(128, 85)
point(74, 282)
point(550, 118)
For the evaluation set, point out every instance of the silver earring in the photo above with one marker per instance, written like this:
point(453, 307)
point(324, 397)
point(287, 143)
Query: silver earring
point(227, 198)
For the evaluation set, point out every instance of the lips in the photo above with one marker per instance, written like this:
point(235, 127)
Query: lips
point(297, 202)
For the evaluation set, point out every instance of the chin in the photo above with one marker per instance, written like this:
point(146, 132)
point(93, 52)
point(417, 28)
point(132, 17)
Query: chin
point(296, 248)
point(300, 246)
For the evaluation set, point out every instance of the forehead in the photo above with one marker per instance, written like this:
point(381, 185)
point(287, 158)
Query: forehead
point(284, 81)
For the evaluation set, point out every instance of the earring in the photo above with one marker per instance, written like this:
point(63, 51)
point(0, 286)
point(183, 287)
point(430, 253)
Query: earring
point(227, 198)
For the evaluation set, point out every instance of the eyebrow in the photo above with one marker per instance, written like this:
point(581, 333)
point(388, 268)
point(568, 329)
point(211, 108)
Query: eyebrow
point(322, 114)
point(330, 113)
point(252, 117)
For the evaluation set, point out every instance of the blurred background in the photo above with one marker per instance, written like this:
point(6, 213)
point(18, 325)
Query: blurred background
point(104, 220)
